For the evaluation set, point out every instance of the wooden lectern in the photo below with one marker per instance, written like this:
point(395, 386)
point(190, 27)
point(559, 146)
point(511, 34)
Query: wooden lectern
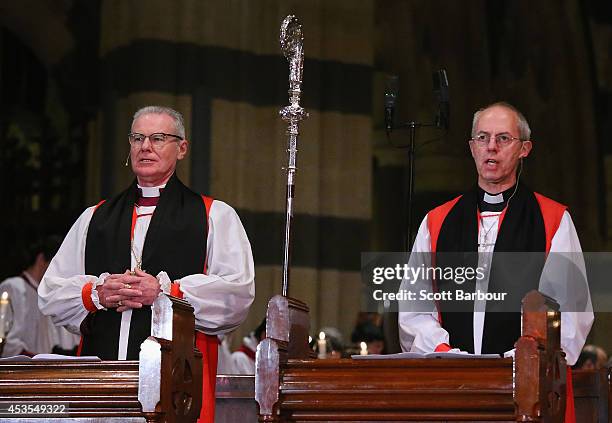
point(165, 385)
point(291, 386)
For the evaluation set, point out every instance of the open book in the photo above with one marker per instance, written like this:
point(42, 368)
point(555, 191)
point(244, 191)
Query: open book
point(404, 355)
point(50, 357)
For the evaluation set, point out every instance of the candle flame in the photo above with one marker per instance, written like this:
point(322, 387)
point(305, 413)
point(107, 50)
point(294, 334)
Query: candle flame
point(321, 335)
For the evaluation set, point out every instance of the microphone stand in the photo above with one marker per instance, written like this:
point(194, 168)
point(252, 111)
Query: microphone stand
point(441, 121)
point(390, 324)
point(412, 127)
point(409, 192)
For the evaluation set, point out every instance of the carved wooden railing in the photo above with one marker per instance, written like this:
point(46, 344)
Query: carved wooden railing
point(165, 385)
point(292, 386)
point(540, 364)
point(592, 392)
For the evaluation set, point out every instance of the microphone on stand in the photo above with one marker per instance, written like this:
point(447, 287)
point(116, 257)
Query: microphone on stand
point(390, 98)
point(440, 82)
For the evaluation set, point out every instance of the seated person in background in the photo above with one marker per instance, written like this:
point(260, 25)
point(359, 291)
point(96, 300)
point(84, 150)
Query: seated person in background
point(334, 342)
point(587, 360)
point(372, 335)
point(593, 357)
point(243, 360)
point(32, 332)
point(224, 361)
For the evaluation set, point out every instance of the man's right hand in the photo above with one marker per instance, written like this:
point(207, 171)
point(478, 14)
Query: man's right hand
point(114, 293)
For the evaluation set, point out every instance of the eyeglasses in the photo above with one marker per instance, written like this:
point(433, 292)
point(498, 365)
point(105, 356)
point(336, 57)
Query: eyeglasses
point(158, 139)
point(502, 140)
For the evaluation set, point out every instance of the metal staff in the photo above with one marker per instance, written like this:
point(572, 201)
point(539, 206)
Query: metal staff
point(292, 46)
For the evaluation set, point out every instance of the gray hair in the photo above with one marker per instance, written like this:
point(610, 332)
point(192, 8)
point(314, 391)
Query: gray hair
point(523, 125)
point(179, 124)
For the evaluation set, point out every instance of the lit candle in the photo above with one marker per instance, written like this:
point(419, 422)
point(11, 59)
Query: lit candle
point(4, 304)
point(322, 345)
point(364, 349)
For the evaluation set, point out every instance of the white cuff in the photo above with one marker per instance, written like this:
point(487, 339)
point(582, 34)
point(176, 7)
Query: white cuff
point(164, 282)
point(94, 292)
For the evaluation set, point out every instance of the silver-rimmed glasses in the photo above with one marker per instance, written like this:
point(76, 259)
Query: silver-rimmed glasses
point(502, 140)
point(158, 139)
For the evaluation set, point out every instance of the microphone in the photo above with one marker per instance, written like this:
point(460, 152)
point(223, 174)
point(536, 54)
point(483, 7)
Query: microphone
point(390, 97)
point(440, 83)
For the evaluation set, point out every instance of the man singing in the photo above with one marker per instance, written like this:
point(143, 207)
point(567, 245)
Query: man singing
point(499, 215)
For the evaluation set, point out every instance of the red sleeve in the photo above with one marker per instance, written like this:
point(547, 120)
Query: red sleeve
point(443, 348)
point(175, 290)
point(86, 297)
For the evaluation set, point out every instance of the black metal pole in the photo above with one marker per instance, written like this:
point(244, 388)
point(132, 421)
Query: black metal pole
point(412, 127)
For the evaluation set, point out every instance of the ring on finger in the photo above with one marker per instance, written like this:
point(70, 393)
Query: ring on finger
point(119, 303)
point(127, 286)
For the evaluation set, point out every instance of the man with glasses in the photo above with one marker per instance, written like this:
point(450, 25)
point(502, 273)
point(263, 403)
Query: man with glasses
point(156, 236)
point(502, 216)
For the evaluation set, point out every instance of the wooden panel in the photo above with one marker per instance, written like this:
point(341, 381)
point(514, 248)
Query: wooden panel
point(110, 389)
point(591, 395)
point(528, 389)
point(235, 399)
point(89, 388)
point(397, 389)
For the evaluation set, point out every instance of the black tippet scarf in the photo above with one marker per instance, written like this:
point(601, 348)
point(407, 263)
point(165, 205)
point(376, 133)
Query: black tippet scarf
point(522, 230)
point(175, 243)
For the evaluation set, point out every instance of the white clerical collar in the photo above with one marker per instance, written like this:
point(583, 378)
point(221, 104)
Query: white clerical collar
point(151, 191)
point(493, 199)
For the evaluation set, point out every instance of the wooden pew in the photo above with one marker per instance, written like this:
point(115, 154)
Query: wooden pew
point(592, 394)
point(164, 385)
point(592, 389)
point(292, 386)
point(235, 399)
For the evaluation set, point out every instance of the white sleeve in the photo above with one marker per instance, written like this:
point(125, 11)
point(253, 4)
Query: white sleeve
point(564, 278)
point(242, 364)
point(15, 340)
point(420, 331)
point(222, 297)
point(224, 357)
point(59, 292)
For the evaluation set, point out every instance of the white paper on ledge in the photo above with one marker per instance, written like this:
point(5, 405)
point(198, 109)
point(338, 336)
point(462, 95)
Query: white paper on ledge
point(404, 355)
point(51, 357)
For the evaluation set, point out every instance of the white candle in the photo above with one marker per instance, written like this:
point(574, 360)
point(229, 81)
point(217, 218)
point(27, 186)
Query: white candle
point(4, 304)
point(364, 349)
point(322, 344)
